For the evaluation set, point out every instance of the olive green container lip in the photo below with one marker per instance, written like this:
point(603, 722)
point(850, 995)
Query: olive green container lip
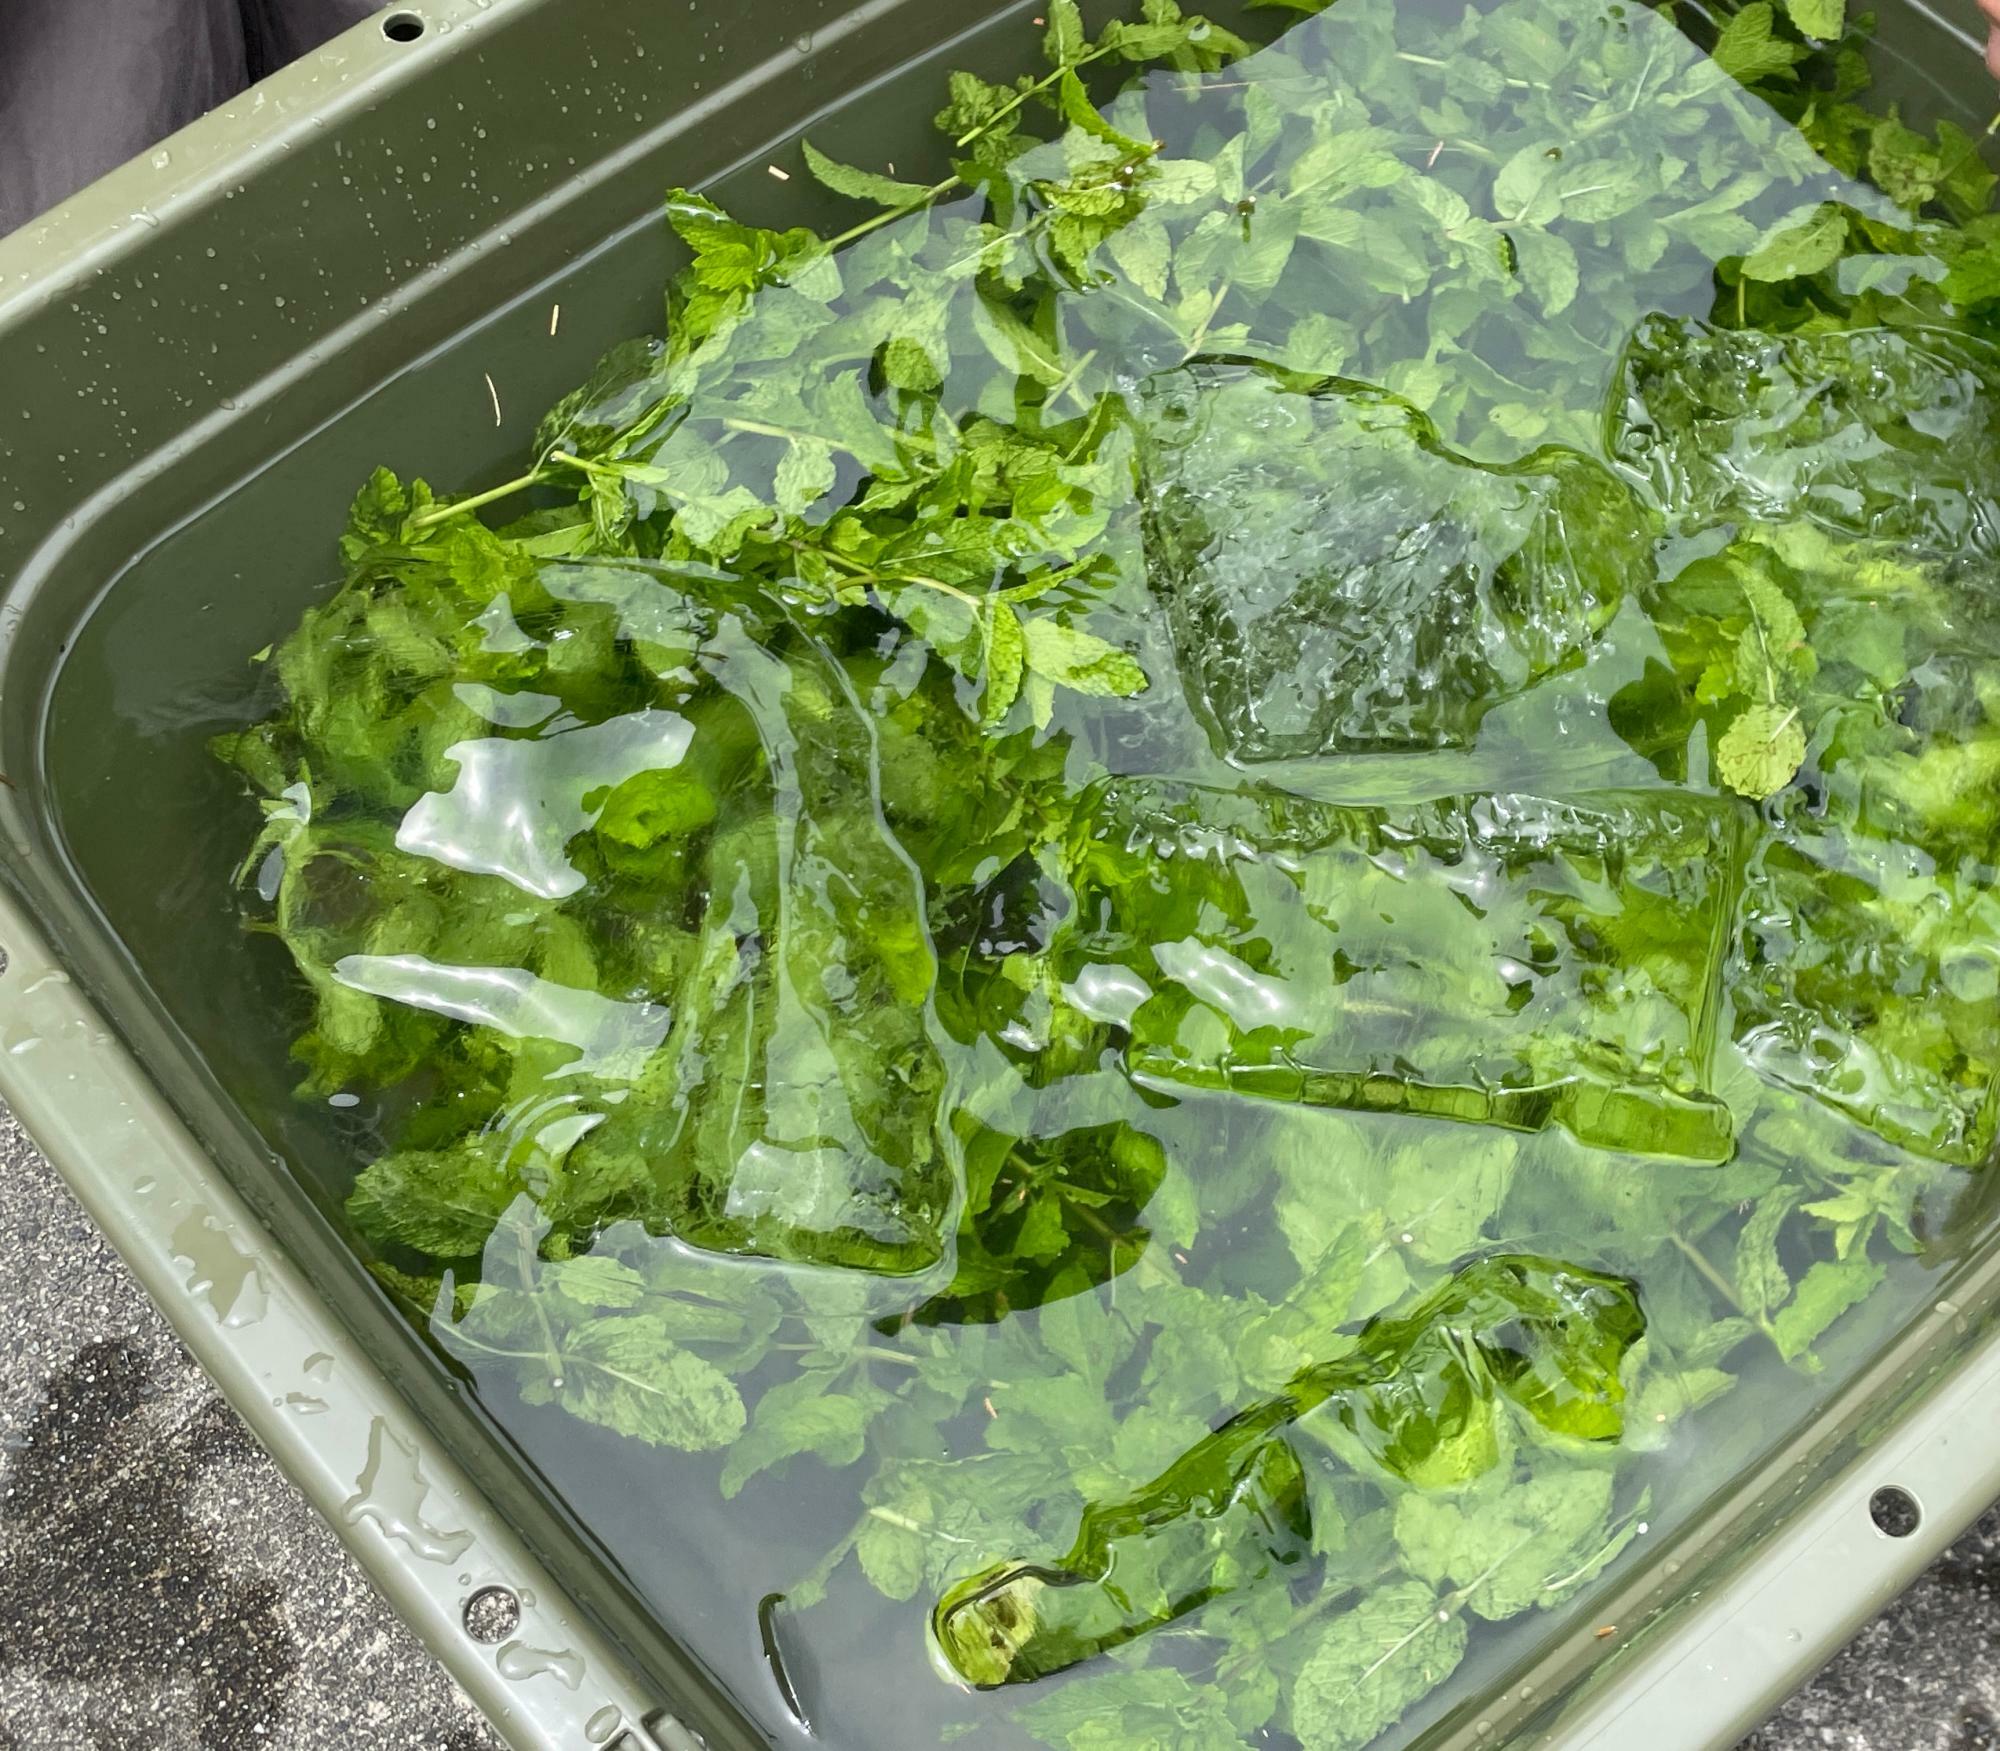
point(1693, 1649)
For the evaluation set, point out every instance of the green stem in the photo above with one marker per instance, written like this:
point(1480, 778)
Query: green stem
point(520, 483)
point(893, 213)
point(1703, 1031)
point(1433, 61)
point(1722, 1287)
point(813, 1582)
point(872, 1352)
point(1067, 386)
point(920, 202)
point(862, 574)
point(534, 477)
point(1207, 322)
point(1716, 1280)
point(1020, 97)
point(530, 1269)
point(1141, 1250)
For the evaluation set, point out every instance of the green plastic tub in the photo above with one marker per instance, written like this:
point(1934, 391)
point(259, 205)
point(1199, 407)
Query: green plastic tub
point(401, 251)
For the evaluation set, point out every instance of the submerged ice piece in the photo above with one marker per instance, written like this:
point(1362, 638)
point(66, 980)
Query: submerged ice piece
point(1420, 1392)
point(1338, 581)
point(1502, 960)
point(791, 1109)
point(762, 1078)
point(1879, 433)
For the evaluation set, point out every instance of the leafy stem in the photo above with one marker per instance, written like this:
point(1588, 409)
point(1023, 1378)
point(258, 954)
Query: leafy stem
point(890, 214)
point(917, 203)
point(1716, 1280)
point(1723, 1287)
point(535, 476)
point(441, 513)
point(861, 574)
point(1142, 1252)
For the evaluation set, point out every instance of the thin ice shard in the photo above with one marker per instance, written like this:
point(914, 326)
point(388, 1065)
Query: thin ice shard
point(1419, 1395)
point(791, 1109)
point(1502, 960)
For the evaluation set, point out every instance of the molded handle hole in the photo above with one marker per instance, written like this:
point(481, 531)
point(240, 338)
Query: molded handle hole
point(492, 1614)
point(1895, 1511)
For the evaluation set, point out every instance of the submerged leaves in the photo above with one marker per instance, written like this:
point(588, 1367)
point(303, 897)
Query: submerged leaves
point(1131, 773)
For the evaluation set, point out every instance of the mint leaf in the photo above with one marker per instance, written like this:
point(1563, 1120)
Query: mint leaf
point(1825, 1292)
point(1824, 19)
point(1006, 658)
point(1761, 1279)
point(861, 185)
point(1064, 41)
point(1761, 750)
point(1669, 1396)
point(892, 1553)
point(1748, 51)
point(1147, 1708)
point(1796, 248)
point(1507, 1556)
point(1394, 1645)
point(625, 1374)
point(804, 476)
point(443, 1202)
point(1080, 661)
point(1548, 266)
point(814, 1413)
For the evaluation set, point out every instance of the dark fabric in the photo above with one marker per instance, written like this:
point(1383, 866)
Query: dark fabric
point(87, 84)
point(277, 31)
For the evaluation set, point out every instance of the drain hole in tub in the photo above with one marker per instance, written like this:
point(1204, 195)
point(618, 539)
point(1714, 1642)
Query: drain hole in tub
point(1894, 1511)
point(402, 27)
point(492, 1614)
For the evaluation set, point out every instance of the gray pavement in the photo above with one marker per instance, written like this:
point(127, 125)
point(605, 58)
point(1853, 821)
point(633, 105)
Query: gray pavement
point(163, 1589)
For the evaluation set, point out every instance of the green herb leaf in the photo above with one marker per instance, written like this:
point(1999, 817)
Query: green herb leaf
point(1761, 750)
point(627, 1375)
point(1825, 1292)
point(1152, 1708)
point(1080, 661)
point(811, 1413)
point(1748, 50)
point(861, 185)
point(1818, 18)
point(1006, 658)
point(1395, 1644)
point(1761, 1279)
point(1510, 1556)
point(1794, 248)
